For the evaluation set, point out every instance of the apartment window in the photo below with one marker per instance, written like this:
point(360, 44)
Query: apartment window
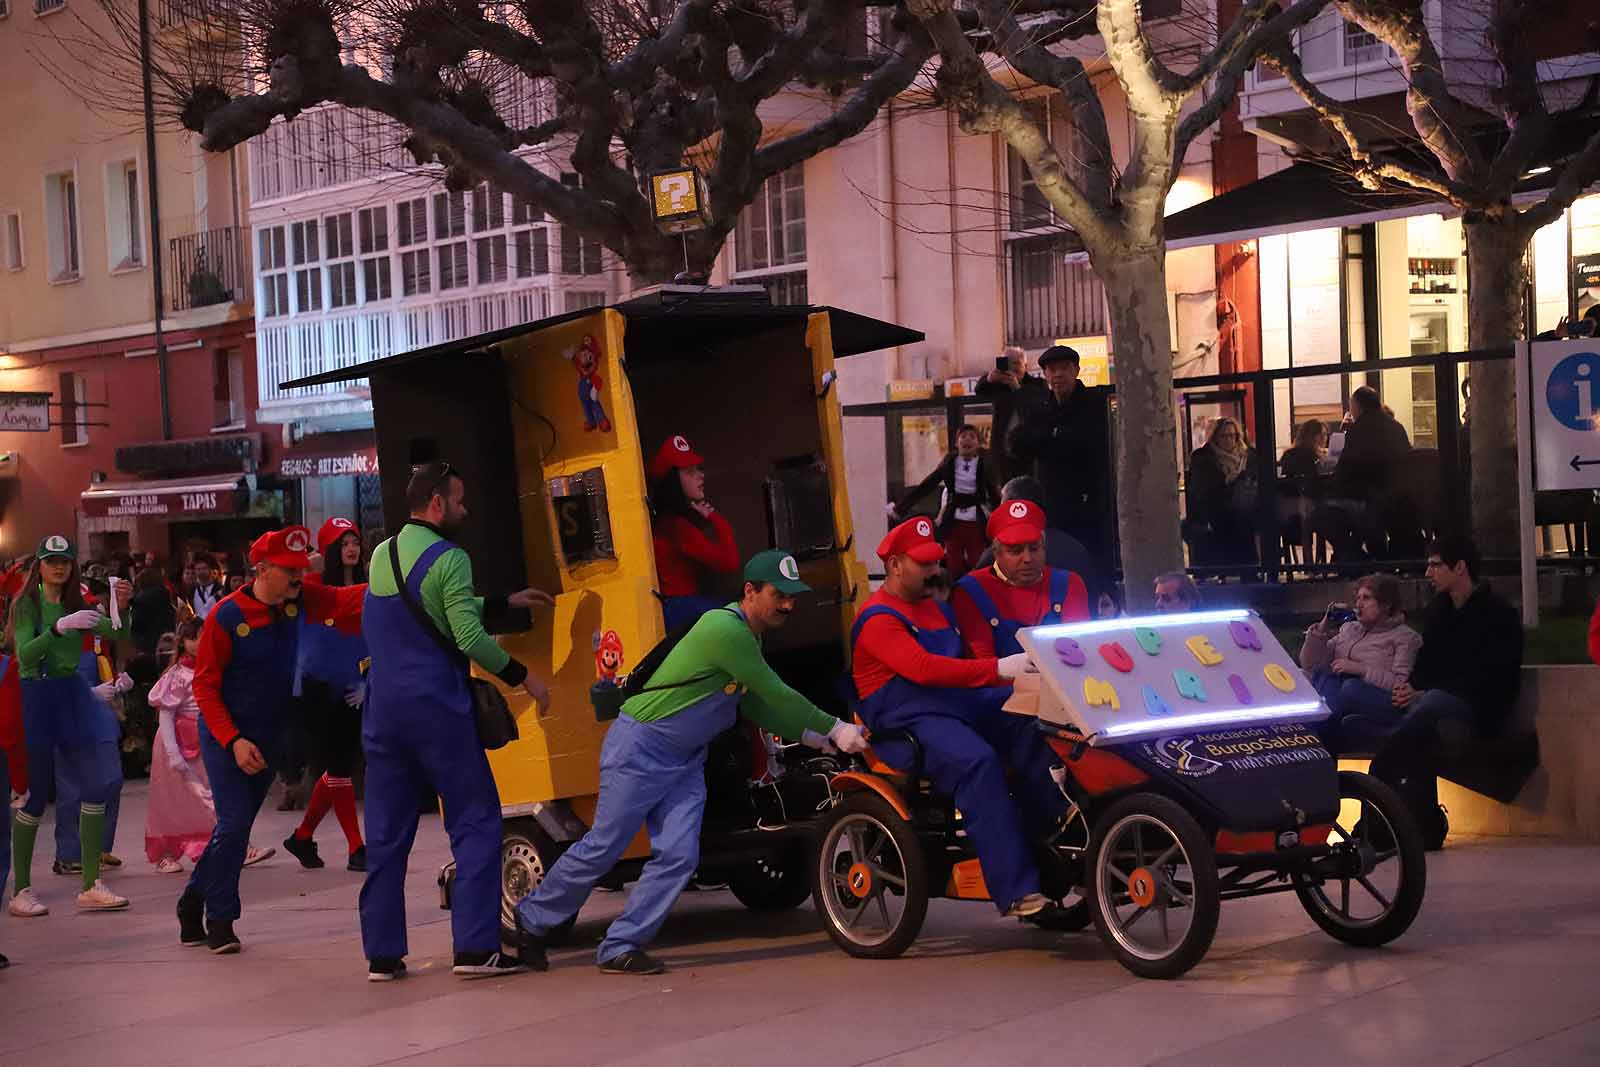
point(1361, 46)
point(272, 263)
point(339, 248)
point(411, 222)
point(414, 277)
point(14, 260)
point(1049, 297)
point(769, 245)
point(5, 8)
point(61, 209)
point(124, 220)
point(306, 251)
point(45, 7)
point(74, 409)
point(228, 388)
point(533, 252)
point(582, 299)
point(523, 212)
point(373, 233)
point(491, 256)
point(453, 266)
point(1029, 208)
point(579, 254)
point(488, 208)
point(449, 215)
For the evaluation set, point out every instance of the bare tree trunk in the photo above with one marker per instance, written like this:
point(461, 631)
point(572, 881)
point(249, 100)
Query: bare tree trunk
point(1147, 469)
point(1496, 281)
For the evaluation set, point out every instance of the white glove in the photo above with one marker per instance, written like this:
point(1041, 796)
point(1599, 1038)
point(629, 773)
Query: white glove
point(888, 509)
point(106, 691)
point(87, 619)
point(848, 737)
point(1015, 666)
point(123, 682)
point(356, 695)
point(811, 739)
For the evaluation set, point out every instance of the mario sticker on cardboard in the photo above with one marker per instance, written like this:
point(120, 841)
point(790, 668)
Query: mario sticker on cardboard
point(608, 656)
point(586, 358)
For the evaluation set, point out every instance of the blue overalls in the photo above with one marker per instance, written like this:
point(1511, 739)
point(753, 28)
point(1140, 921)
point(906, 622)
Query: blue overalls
point(418, 730)
point(967, 742)
point(651, 773)
point(256, 691)
point(72, 743)
point(69, 845)
point(1005, 630)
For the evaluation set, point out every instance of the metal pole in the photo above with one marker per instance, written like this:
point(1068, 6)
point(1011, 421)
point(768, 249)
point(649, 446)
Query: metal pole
point(156, 262)
point(1530, 563)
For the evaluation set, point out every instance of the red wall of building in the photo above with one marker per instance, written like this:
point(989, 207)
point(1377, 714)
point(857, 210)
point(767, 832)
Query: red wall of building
point(44, 497)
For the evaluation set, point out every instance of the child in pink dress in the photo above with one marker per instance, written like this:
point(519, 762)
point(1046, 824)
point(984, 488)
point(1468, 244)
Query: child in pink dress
point(180, 814)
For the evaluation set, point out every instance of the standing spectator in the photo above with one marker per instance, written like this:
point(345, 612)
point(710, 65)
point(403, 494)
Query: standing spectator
point(1464, 684)
point(1065, 438)
point(207, 591)
point(154, 613)
point(423, 624)
point(967, 499)
point(1012, 393)
point(1356, 665)
point(186, 581)
point(1222, 497)
point(331, 690)
point(62, 719)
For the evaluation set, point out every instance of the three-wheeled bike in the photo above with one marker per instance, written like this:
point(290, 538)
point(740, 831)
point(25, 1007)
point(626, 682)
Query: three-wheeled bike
point(551, 424)
point(1193, 773)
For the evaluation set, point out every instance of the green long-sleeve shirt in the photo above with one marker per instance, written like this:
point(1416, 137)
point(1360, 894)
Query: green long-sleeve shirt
point(41, 652)
point(723, 648)
point(447, 597)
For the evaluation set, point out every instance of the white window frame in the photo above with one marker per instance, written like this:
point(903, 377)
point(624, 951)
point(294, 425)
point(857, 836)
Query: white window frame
point(236, 408)
point(16, 248)
point(65, 252)
point(305, 261)
point(339, 260)
point(80, 413)
point(782, 184)
point(272, 272)
point(41, 8)
point(373, 247)
point(125, 223)
point(5, 9)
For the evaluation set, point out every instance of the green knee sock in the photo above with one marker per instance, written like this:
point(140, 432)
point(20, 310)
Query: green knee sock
point(91, 825)
point(23, 831)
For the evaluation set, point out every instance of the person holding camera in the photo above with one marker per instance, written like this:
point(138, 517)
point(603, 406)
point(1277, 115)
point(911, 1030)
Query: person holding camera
point(1357, 656)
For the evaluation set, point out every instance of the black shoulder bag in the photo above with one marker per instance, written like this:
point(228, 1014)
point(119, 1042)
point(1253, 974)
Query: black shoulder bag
point(497, 727)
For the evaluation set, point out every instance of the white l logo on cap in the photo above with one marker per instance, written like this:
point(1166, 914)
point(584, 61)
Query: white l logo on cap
point(1018, 510)
point(681, 443)
point(924, 528)
point(789, 568)
point(56, 543)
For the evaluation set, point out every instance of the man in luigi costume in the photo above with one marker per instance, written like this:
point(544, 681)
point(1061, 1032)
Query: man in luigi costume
point(244, 684)
point(652, 767)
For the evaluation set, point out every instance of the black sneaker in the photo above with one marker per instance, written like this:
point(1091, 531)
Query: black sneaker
point(191, 921)
point(305, 850)
point(4, 963)
point(486, 965)
point(220, 938)
point(66, 867)
point(531, 949)
point(358, 859)
point(385, 969)
point(633, 961)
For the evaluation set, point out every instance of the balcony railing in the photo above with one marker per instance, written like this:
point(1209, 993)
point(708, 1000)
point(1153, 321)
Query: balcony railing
point(1050, 297)
point(195, 12)
point(204, 269)
point(44, 7)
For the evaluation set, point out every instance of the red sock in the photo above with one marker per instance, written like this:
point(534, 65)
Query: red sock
point(321, 801)
point(344, 806)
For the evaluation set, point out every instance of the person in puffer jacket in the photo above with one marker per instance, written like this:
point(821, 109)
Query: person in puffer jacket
point(1356, 667)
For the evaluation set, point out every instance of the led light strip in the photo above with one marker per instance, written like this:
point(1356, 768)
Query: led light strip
point(1311, 710)
point(1152, 622)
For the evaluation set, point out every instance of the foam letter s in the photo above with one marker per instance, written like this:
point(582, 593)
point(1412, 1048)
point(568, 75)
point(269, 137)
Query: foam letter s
point(1096, 692)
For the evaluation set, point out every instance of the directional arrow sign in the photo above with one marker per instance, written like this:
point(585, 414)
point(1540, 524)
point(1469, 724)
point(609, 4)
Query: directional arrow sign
point(1578, 463)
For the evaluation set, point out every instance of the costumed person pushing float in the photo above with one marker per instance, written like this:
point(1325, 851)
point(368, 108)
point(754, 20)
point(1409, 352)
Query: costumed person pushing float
point(652, 767)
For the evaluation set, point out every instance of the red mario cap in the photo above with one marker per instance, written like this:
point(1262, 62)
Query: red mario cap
point(674, 453)
point(331, 531)
point(913, 538)
point(1016, 522)
point(287, 547)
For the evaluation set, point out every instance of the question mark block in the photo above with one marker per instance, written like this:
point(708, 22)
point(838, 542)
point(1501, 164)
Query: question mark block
point(675, 194)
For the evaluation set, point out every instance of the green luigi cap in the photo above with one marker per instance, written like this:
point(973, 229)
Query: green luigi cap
point(56, 545)
point(776, 566)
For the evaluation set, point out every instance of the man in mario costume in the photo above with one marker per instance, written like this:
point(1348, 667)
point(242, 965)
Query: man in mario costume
point(243, 682)
point(910, 675)
point(1018, 590)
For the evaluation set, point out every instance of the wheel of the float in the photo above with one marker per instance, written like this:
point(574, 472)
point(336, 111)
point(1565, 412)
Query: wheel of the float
point(1153, 886)
point(870, 878)
point(1368, 891)
point(773, 883)
point(526, 854)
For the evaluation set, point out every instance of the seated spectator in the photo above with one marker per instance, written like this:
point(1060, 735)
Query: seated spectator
point(1062, 551)
point(1176, 592)
point(1376, 450)
point(1356, 665)
point(1222, 497)
point(1464, 684)
point(1301, 462)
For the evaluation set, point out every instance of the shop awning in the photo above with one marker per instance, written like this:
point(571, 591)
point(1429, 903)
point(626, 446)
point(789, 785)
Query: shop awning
point(173, 498)
point(1304, 196)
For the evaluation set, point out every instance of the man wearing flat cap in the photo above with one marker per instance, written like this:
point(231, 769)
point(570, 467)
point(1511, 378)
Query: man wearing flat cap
point(1065, 439)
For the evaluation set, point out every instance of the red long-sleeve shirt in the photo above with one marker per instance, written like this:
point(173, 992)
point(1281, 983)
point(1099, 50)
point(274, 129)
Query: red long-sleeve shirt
point(318, 603)
point(1027, 606)
point(12, 747)
point(886, 649)
point(682, 548)
point(1594, 635)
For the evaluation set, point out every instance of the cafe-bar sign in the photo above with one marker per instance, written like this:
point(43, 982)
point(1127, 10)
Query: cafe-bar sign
point(24, 412)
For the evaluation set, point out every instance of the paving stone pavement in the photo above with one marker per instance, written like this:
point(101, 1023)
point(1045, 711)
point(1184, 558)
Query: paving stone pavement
point(1499, 969)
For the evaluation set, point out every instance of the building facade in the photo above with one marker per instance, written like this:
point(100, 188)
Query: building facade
point(93, 448)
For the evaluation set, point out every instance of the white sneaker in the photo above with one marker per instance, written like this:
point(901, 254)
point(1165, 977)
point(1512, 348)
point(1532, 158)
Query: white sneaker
point(27, 905)
point(99, 898)
point(1032, 904)
point(254, 855)
point(168, 865)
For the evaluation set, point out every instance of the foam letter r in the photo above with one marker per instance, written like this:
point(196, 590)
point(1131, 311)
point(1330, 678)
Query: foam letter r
point(1188, 684)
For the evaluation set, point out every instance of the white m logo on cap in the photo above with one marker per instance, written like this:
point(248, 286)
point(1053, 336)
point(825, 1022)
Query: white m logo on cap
point(924, 528)
point(296, 539)
point(1018, 510)
point(681, 443)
